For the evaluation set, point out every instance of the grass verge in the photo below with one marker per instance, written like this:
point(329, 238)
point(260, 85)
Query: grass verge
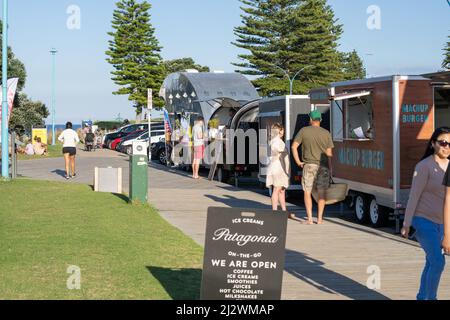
point(123, 251)
point(53, 152)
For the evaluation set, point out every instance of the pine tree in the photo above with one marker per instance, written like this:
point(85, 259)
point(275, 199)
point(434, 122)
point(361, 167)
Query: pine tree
point(446, 63)
point(134, 52)
point(285, 36)
point(353, 66)
point(179, 65)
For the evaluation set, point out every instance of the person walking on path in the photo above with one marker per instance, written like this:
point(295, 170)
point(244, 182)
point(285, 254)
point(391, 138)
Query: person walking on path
point(199, 146)
point(279, 168)
point(425, 210)
point(70, 139)
point(317, 152)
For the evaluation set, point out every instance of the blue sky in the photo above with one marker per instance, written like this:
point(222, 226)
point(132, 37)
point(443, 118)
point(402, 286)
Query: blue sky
point(411, 39)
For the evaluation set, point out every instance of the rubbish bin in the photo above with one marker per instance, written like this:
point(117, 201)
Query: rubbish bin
point(139, 173)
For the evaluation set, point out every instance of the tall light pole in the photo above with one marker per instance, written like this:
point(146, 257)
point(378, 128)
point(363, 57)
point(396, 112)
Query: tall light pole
point(367, 64)
point(5, 138)
point(291, 80)
point(53, 52)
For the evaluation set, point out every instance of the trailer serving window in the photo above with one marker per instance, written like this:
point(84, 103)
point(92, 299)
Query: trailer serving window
point(442, 106)
point(352, 116)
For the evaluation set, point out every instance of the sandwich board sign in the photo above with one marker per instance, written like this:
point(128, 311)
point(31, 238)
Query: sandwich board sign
point(244, 254)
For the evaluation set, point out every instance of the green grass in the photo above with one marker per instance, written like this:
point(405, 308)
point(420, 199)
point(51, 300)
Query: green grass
point(53, 152)
point(124, 251)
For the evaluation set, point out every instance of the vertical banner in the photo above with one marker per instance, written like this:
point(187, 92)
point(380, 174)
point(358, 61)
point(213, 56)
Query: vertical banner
point(244, 254)
point(12, 87)
point(167, 125)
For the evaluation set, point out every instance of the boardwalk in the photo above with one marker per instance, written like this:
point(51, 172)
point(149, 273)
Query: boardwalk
point(322, 262)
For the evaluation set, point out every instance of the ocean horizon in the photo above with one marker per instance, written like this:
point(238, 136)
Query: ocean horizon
point(62, 127)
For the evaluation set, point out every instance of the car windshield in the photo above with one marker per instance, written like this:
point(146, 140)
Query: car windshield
point(128, 129)
point(134, 135)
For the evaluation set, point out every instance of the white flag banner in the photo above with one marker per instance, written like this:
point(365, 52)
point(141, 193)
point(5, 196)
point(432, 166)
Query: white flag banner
point(12, 87)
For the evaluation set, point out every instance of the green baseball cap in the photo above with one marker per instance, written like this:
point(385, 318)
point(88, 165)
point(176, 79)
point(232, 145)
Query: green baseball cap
point(316, 115)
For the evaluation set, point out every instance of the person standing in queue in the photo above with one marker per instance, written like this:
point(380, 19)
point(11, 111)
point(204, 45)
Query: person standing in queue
point(198, 135)
point(70, 139)
point(425, 210)
point(317, 152)
point(279, 168)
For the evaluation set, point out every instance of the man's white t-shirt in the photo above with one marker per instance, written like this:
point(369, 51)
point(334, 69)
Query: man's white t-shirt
point(70, 138)
point(197, 132)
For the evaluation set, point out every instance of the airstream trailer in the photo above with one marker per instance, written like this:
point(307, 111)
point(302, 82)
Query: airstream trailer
point(189, 95)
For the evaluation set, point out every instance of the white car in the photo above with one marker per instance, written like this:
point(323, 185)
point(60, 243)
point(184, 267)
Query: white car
point(157, 136)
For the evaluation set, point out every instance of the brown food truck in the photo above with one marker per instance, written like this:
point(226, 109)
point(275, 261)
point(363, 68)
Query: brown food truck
point(380, 128)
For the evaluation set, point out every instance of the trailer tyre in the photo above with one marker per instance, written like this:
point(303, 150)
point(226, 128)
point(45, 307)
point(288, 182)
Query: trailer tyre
point(362, 208)
point(379, 215)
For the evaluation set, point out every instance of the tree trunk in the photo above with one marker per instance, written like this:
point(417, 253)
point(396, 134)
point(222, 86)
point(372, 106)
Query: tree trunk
point(138, 117)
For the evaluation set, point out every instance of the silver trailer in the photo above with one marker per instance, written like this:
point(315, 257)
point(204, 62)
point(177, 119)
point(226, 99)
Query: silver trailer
point(293, 113)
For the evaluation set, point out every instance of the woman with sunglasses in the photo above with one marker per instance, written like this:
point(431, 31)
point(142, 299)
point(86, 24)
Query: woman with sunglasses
point(446, 241)
point(425, 210)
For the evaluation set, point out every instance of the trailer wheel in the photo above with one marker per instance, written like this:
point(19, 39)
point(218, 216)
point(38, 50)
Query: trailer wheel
point(361, 208)
point(379, 215)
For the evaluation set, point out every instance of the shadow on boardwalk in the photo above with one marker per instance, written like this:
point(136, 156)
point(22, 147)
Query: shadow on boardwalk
point(234, 202)
point(180, 284)
point(314, 273)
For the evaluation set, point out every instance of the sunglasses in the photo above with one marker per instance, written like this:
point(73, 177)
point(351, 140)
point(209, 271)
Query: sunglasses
point(443, 143)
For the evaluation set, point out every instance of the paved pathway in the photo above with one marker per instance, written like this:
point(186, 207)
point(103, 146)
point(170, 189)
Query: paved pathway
point(323, 262)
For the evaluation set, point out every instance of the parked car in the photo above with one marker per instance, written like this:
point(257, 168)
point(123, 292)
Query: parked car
point(114, 145)
point(159, 151)
point(126, 130)
point(126, 145)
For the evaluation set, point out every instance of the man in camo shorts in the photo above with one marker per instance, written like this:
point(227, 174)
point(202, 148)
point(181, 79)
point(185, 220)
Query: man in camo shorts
point(317, 151)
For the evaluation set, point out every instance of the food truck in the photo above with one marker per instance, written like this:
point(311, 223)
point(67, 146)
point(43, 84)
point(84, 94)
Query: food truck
point(243, 164)
point(380, 128)
point(293, 113)
point(189, 95)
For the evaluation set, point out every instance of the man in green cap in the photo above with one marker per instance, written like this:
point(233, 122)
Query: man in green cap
point(317, 151)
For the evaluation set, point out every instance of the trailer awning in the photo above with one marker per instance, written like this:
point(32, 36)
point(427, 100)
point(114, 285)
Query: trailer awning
point(351, 95)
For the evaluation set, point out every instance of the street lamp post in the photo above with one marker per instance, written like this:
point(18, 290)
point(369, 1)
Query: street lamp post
point(291, 80)
point(367, 64)
point(53, 52)
point(5, 139)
